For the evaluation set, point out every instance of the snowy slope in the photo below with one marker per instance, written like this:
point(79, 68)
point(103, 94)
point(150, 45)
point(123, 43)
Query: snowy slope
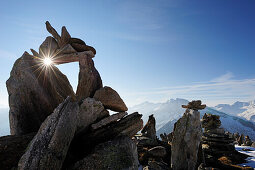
point(163, 112)
point(249, 112)
point(168, 113)
point(242, 109)
point(250, 160)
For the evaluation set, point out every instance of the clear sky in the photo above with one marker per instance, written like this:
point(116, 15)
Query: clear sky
point(146, 50)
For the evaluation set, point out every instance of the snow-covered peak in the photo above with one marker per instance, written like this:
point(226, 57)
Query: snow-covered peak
point(242, 109)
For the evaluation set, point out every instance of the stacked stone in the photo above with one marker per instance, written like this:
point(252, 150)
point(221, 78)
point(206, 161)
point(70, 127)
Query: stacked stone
point(217, 146)
point(187, 137)
point(214, 139)
point(152, 153)
point(66, 129)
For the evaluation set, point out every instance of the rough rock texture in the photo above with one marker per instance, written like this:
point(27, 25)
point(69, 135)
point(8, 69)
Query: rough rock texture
point(218, 150)
point(186, 139)
point(117, 154)
point(48, 47)
point(108, 120)
point(149, 130)
point(210, 121)
point(110, 99)
point(86, 140)
point(12, 147)
point(34, 93)
point(89, 78)
point(90, 111)
point(48, 148)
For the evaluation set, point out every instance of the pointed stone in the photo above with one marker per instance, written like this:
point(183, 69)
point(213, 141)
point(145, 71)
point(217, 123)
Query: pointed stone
point(35, 53)
point(89, 78)
point(65, 37)
point(186, 139)
point(48, 148)
point(48, 48)
point(52, 31)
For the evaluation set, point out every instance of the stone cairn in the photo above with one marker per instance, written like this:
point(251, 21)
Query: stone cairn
point(152, 153)
point(218, 150)
point(187, 137)
point(53, 127)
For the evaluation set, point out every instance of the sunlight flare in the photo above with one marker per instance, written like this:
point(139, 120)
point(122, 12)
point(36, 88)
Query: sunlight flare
point(47, 61)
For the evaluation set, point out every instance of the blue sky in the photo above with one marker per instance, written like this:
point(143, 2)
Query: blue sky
point(146, 50)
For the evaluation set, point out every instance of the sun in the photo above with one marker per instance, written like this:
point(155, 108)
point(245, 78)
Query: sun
point(47, 61)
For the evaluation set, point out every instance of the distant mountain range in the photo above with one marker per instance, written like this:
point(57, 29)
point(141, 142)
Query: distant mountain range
point(168, 113)
point(241, 109)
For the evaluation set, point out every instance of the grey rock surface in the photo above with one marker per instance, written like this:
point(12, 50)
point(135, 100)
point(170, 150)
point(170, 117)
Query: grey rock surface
point(89, 78)
point(108, 120)
point(48, 148)
point(90, 110)
point(118, 154)
point(186, 139)
point(34, 92)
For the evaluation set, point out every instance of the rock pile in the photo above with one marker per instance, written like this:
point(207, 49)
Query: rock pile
point(152, 153)
point(217, 146)
point(54, 128)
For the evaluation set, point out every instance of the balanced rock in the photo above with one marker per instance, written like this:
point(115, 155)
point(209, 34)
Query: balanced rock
point(48, 48)
point(89, 78)
point(90, 111)
point(110, 99)
point(48, 148)
point(195, 105)
point(186, 139)
point(34, 92)
point(119, 153)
